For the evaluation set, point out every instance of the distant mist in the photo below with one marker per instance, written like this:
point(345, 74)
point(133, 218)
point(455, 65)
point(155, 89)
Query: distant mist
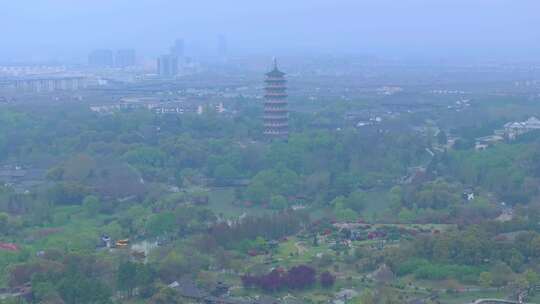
point(69, 29)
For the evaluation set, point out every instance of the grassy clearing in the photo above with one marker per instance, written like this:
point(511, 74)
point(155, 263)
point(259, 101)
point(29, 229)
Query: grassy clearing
point(70, 231)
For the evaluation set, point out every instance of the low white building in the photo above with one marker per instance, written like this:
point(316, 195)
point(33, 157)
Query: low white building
point(514, 129)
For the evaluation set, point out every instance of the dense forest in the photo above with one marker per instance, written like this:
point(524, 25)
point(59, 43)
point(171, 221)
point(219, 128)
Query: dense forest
point(162, 179)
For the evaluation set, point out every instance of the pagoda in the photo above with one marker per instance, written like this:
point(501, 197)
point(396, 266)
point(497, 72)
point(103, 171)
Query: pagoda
point(276, 115)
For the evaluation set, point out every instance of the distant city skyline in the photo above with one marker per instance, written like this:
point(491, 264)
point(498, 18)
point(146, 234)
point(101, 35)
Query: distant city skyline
point(68, 30)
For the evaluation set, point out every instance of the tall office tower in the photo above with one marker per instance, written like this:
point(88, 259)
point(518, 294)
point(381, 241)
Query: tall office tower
point(178, 48)
point(101, 58)
point(167, 65)
point(125, 58)
point(276, 115)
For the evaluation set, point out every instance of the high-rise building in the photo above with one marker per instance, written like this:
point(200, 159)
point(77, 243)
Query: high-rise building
point(178, 48)
point(125, 58)
point(101, 58)
point(276, 115)
point(167, 65)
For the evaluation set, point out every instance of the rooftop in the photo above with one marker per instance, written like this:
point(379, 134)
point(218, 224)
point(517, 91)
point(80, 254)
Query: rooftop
point(275, 72)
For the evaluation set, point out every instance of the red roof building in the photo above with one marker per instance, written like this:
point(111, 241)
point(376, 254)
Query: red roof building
point(9, 247)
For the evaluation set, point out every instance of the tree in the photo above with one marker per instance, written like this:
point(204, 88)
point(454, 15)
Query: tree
point(338, 202)
point(272, 281)
point(165, 295)
point(442, 139)
point(145, 156)
point(394, 197)
point(224, 174)
point(44, 291)
point(79, 167)
point(520, 281)
point(532, 277)
point(464, 144)
point(327, 279)
point(277, 181)
point(258, 192)
point(501, 274)
point(91, 205)
point(300, 277)
point(160, 224)
point(325, 260)
point(127, 277)
point(345, 214)
point(534, 247)
point(118, 180)
point(436, 195)
point(356, 201)
point(367, 297)
point(67, 194)
point(406, 215)
point(317, 182)
point(176, 265)
point(343, 184)
point(485, 279)
point(55, 174)
point(4, 223)
point(278, 202)
point(516, 260)
point(75, 288)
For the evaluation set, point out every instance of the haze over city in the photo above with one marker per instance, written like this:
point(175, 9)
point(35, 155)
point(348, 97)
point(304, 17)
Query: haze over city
point(67, 29)
point(270, 152)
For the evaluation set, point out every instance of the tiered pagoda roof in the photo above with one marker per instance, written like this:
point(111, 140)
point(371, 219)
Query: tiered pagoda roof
point(276, 115)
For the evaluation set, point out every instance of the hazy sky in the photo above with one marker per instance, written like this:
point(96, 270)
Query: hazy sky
point(70, 28)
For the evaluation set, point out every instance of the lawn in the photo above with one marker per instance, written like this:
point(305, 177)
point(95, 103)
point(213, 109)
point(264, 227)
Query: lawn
point(71, 230)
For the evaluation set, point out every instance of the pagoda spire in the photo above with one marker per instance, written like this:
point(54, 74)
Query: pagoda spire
point(276, 115)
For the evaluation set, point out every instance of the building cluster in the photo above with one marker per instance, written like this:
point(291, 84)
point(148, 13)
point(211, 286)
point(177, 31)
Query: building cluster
point(41, 78)
point(158, 106)
point(21, 179)
point(39, 84)
point(175, 62)
point(447, 92)
point(168, 64)
point(25, 70)
point(389, 91)
point(460, 105)
point(107, 58)
point(513, 129)
point(528, 83)
point(510, 131)
point(219, 293)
